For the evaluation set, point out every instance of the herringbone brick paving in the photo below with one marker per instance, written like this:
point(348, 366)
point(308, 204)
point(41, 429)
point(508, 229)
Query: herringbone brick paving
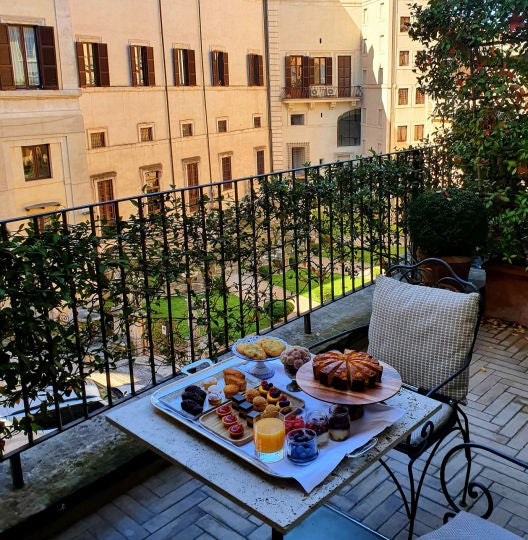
point(173, 505)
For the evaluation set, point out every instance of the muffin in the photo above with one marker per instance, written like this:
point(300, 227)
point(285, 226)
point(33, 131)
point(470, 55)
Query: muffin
point(230, 390)
point(259, 403)
point(251, 394)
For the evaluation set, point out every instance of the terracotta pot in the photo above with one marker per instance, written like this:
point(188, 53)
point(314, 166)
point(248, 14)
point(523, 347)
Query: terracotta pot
point(506, 292)
point(460, 265)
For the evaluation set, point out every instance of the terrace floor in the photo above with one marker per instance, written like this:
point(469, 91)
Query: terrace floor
point(171, 504)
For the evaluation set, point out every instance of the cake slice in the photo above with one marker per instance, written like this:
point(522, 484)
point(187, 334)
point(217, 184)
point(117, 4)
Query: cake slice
point(326, 375)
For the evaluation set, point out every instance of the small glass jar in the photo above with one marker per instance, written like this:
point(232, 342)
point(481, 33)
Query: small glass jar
point(339, 423)
point(294, 418)
point(301, 446)
point(318, 422)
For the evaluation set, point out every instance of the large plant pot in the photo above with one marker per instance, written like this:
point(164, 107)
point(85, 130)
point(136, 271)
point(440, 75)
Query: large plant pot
point(460, 265)
point(506, 292)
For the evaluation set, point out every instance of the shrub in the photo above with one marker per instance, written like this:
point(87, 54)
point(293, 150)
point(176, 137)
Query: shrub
point(278, 310)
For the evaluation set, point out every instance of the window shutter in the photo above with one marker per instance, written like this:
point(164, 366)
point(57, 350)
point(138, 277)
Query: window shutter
point(7, 78)
point(47, 58)
point(251, 75)
point(260, 70)
point(151, 76)
point(191, 66)
point(214, 67)
point(226, 70)
point(176, 67)
point(328, 79)
point(80, 64)
point(102, 62)
point(306, 71)
point(311, 72)
point(287, 72)
point(133, 65)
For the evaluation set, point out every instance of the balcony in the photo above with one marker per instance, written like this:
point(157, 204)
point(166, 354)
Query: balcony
point(322, 93)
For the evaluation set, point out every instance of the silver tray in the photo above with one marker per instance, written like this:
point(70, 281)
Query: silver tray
point(166, 398)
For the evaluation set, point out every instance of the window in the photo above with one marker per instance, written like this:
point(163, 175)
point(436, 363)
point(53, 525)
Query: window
point(92, 64)
point(222, 126)
point(418, 132)
point(27, 57)
point(365, 16)
point(349, 128)
point(260, 162)
point(401, 133)
point(297, 119)
point(403, 96)
point(226, 173)
point(255, 70)
point(184, 67)
point(404, 58)
point(105, 192)
point(36, 162)
point(142, 65)
point(405, 22)
point(97, 139)
point(146, 133)
point(321, 70)
point(344, 76)
point(297, 76)
point(420, 97)
point(191, 170)
point(187, 130)
point(365, 47)
point(298, 157)
point(257, 121)
point(152, 185)
point(219, 68)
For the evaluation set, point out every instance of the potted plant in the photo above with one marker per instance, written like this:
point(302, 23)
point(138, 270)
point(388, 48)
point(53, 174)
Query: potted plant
point(449, 223)
point(474, 68)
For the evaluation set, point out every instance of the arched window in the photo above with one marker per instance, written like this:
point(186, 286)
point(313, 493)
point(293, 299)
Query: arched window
point(349, 128)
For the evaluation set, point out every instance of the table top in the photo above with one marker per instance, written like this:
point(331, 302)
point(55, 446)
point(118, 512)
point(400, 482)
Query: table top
point(279, 502)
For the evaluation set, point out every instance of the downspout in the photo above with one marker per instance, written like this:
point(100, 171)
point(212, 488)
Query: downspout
point(166, 88)
point(204, 94)
point(392, 127)
point(268, 80)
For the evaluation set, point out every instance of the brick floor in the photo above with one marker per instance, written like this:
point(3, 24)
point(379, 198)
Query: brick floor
point(171, 504)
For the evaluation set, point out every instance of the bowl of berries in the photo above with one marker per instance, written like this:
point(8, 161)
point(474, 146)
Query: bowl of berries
point(301, 446)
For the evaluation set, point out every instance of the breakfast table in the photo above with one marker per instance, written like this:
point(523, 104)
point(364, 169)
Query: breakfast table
point(280, 494)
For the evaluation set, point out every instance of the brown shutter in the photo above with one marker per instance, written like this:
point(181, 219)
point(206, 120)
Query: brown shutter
point(287, 72)
point(214, 67)
point(47, 58)
point(7, 78)
point(226, 70)
point(191, 65)
point(328, 79)
point(250, 69)
point(306, 71)
point(102, 63)
point(80, 64)
point(151, 76)
point(311, 72)
point(260, 70)
point(133, 65)
point(176, 67)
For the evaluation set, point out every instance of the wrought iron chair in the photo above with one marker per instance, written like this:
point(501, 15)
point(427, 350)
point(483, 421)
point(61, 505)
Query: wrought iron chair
point(427, 334)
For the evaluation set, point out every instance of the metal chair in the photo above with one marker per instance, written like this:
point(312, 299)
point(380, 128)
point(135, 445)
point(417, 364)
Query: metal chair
point(427, 331)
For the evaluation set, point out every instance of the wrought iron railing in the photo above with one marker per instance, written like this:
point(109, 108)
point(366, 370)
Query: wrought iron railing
point(320, 91)
point(94, 311)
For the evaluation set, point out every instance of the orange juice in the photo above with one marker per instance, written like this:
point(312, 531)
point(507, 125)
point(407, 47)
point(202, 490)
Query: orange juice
point(269, 439)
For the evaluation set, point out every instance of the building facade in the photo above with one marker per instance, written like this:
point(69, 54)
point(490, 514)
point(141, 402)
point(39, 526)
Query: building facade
point(102, 100)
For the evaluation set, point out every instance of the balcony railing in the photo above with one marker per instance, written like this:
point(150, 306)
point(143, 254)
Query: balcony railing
point(322, 92)
point(93, 312)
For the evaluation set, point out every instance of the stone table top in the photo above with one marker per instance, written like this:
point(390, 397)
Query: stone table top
point(279, 502)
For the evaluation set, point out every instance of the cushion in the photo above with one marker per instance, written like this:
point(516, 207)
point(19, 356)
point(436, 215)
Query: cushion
point(465, 526)
point(423, 332)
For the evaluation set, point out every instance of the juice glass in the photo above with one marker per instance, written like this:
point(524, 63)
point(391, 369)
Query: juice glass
point(268, 435)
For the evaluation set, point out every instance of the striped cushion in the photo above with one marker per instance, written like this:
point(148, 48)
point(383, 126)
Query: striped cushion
point(423, 332)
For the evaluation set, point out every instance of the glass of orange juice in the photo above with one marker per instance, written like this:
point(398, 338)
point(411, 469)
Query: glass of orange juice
point(268, 435)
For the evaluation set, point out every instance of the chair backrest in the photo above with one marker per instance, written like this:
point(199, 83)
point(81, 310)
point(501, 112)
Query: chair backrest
point(426, 333)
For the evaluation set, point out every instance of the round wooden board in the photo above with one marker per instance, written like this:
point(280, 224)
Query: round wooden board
point(390, 384)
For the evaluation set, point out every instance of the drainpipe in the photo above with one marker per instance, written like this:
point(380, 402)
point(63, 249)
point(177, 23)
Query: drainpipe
point(268, 81)
point(394, 37)
point(166, 89)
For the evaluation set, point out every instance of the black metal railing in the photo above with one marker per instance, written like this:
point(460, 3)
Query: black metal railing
point(320, 91)
point(93, 311)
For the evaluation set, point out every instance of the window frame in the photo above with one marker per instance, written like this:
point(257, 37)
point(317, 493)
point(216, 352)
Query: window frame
point(420, 101)
point(346, 137)
point(34, 162)
point(224, 122)
point(92, 132)
point(183, 125)
point(298, 116)
point(142, 65)
point(405, 22)
point(149, 127)
point(184, 65)
point(400, 130)
point(403, 96)
point(219, 68)
point(92, 64)
point(226, 171)
point(255, 70)
point(152, 185)
point(404, 56)
point(107, 212)
point(417, 129)
point(260, 161)
point(257, 121)
point(192, 178)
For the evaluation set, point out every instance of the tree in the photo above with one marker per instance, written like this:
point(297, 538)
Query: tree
point(475, 67)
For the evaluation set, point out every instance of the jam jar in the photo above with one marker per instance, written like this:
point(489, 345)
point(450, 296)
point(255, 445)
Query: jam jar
point(339, 422)
point(318, 422)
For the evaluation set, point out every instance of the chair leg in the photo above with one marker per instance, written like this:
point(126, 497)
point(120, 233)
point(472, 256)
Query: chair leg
point(463, 424)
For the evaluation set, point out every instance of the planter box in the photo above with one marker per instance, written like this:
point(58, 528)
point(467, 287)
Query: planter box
point(506, 293)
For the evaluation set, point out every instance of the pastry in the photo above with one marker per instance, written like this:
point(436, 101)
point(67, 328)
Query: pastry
point(264, 387)
point(230, 390)
point(229, 420)
point(191, 406)
point(272, 347)
point(236, 400)
point(252, 351)
point(269, 412)
point(214, 397)
point(250, 417)
point(207, 383)
point(223, 410)
point(251, 393)
point(244, 408)
point(273, 395)
point(259, 403)
point(236, 431)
